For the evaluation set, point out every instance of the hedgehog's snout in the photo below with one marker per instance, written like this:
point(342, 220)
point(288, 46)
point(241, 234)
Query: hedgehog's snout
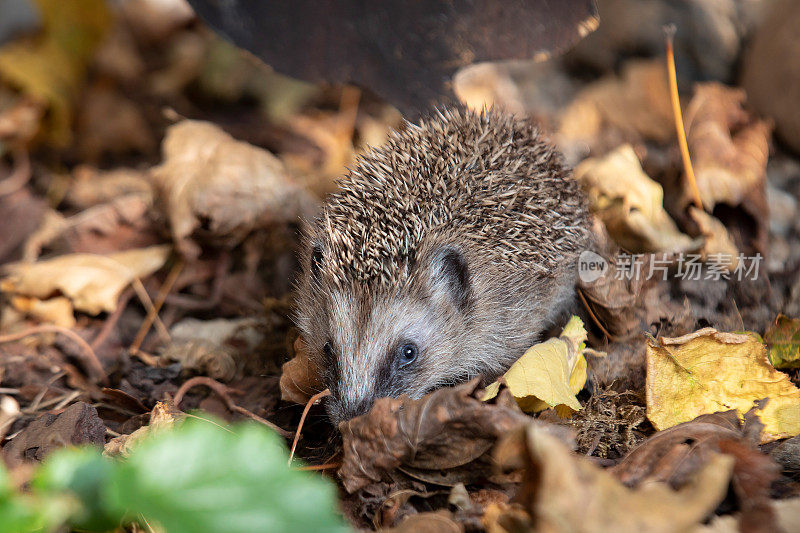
point(342, 409)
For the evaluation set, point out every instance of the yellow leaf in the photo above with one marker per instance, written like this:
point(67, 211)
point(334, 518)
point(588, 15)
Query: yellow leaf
point(549, 374)
point(708, 371)
point(50, 67)
point(92, 282)
point(56, 310)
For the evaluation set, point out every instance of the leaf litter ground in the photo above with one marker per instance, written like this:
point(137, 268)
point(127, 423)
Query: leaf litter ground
point(177, 266)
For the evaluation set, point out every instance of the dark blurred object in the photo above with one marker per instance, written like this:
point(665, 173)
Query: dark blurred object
point(16, 17)
point(771, 71)
point(707, 44)
point(406, 52)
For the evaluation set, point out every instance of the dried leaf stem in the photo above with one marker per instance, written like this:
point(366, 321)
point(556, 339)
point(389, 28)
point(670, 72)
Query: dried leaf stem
point(223, 392)
point(311, 401)
point(669, 32)
point(152, 312)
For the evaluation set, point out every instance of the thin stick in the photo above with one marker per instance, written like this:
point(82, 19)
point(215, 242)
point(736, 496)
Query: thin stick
point(223, 391)
point(113, 318)
point(314, 399)
point(669, 32)
point(90, 358)
point(593, 316)
point(217, 289)
point(152, 312)
point(326, 466)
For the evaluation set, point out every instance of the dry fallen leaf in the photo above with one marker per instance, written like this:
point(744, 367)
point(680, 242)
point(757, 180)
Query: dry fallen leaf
point(92, 282)
point(77, 424)
point(718, 243)
point(708, 371)
point(215, 187)
point(445, 429)
point(96, 136)
point(430, 522)
point(630, 204)
point(213, 348)
point(675, 455)
point(549, 374)
point(56, 310)
point(162, 417)
point(300, 377)
point(729, 147)
point(92, 186)
point(565, 492)
point(637, 105)
point(783, 339)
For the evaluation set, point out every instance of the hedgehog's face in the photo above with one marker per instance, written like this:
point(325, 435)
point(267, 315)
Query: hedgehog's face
point(399, 341)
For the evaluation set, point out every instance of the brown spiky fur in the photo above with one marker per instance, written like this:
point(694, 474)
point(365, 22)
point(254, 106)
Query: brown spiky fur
point(459, 235)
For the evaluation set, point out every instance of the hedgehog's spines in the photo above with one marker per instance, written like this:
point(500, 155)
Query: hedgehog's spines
point(486, 173)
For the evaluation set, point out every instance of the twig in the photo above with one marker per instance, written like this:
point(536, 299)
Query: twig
point(152, 312)
point(112, 319)
point(67, 398)
point(223, 391)
point(146, 358)
point(326, 466)
point(669, 32)
point(148, 304)
point(34, 405)
point(314, 399)
point(90, 358)
point(19, 175)
point(217, 288)
point(594, 317)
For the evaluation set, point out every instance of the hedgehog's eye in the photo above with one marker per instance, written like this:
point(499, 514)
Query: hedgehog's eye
point(407, 353)
point(328, 350)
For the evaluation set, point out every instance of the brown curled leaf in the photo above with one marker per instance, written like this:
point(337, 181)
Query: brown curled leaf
point(729, 149)
point(300, 377)
point(677, 454)
point(447, 428)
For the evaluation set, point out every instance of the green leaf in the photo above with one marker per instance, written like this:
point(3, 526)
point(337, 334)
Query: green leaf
point(202, 478)
point(22, 513)
point(84, 473)
point(783, 340)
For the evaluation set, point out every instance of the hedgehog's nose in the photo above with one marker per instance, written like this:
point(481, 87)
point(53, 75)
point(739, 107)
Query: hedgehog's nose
point(340, 409)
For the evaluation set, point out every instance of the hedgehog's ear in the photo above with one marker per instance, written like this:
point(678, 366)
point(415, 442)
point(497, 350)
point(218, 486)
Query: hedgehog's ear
point(451, 272)
point(316, 260)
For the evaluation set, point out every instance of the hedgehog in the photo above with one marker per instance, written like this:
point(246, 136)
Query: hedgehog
point(444, 255)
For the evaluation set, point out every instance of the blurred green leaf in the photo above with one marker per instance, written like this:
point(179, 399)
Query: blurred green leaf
point(200, 478)
point(21, 513)
point(85, 473)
